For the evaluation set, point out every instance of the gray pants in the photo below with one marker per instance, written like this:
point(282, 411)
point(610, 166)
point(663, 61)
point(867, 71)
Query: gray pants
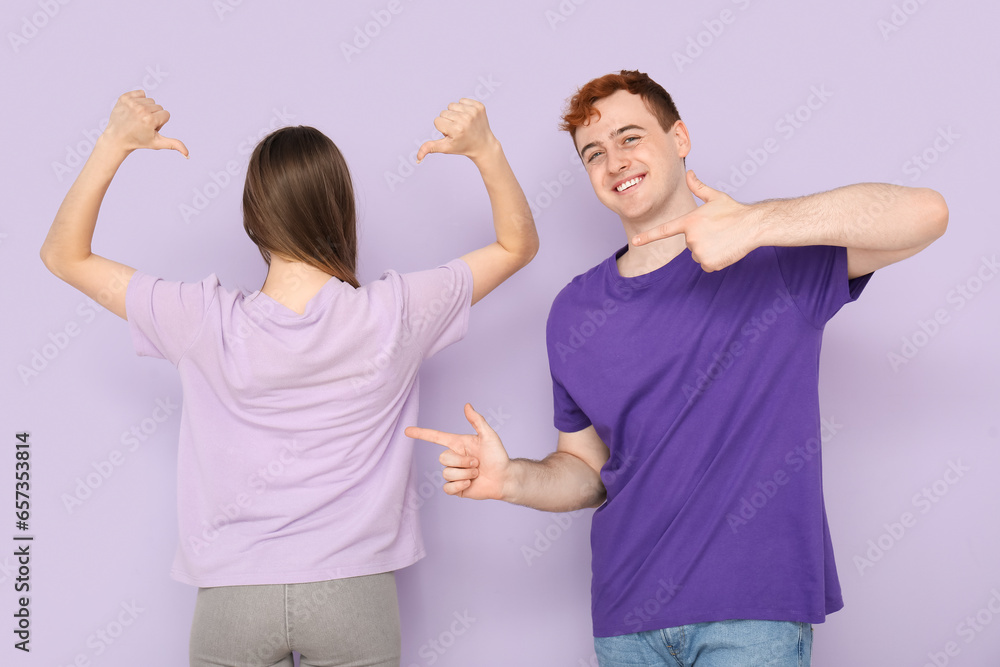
point(350, 622)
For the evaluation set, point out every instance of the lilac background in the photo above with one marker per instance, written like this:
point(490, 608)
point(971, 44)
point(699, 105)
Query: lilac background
point(228, 70)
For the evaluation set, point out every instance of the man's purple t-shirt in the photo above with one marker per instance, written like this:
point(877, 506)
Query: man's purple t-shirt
point(292, 464)
point(704, 386)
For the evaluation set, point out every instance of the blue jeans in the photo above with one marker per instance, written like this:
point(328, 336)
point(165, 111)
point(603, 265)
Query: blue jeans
point(738, 643)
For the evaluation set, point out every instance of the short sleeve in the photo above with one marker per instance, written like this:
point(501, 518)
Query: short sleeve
point(816, 278)
point(436, 305)
point(165, 316)
point(568, 416)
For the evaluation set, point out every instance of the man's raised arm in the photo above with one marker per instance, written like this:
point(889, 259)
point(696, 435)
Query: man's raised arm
point(878, 223)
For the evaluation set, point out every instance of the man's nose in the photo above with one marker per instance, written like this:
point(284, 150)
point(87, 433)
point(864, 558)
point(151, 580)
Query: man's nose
point(617, 162)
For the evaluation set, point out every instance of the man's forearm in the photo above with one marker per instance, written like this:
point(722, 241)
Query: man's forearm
point(559, 483)
point(512, 219)
point(869, 216)
point(72, 231)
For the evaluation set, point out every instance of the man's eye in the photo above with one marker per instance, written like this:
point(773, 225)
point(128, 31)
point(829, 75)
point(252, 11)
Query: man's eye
point(628, 139)
point(593, 155)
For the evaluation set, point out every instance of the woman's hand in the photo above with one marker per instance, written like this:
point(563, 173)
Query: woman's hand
point(466, 131)
point(135, 123)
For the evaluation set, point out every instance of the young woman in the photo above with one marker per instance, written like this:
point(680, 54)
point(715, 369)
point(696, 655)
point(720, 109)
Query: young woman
point(295, 501)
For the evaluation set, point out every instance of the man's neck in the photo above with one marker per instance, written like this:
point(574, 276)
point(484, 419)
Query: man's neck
point(639, 260)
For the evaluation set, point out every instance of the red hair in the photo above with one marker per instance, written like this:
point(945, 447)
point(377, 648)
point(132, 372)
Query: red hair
point(581, 106)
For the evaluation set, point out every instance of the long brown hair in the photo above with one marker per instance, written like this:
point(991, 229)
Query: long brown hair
point(298, 201)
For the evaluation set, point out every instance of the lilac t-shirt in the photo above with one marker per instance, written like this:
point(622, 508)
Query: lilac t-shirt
point(704, 386)
point(292, 465)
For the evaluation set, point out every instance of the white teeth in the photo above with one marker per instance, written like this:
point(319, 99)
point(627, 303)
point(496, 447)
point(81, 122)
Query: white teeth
point(627, 184)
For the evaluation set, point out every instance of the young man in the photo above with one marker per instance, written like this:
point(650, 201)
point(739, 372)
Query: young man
point(685, 373)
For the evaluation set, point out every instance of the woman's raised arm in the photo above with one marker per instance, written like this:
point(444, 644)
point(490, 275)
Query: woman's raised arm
point(467, 132)
point(134, 123)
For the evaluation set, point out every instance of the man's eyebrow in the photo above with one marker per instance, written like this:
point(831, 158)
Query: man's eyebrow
point(622, 130)
point(613, 134)
point(592, 144)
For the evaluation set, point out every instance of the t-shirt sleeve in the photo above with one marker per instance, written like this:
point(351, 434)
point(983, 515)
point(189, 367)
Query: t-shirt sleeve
point(436, 305)
point(165, 316)
point(568, 416)
point(816, 278)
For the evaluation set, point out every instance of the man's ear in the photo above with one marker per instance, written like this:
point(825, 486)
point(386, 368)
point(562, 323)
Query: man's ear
point(679, 133)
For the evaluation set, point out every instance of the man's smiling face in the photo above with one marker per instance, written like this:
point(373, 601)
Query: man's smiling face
point(634, 166)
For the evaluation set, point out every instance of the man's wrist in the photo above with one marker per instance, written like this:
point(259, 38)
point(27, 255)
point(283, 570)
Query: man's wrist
point(510, 490)
point(761, 224)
